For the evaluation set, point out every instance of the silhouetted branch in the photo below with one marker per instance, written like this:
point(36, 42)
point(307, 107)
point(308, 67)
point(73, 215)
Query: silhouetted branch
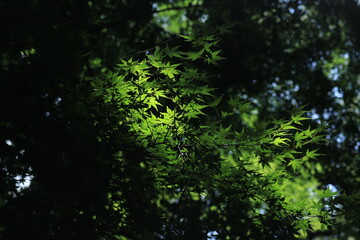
point(177, 8)
point(152, 48)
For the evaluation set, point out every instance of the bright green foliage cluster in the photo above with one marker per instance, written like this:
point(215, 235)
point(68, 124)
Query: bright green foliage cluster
point(251, 179)
point(162, 147)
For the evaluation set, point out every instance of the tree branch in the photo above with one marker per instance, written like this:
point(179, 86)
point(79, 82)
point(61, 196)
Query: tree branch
point(177, 8)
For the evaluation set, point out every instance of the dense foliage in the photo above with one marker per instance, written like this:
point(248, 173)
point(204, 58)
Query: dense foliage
point(179, 119)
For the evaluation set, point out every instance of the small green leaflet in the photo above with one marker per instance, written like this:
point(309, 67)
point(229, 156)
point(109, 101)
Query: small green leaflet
point(172, 52)
point(194, 55)
point(299, 136)
point(297, 118)
point(278, 141)
point(303, 225)
point(187, 38)
point(312, 154)
point(170, 70)
point(216, 101)
point(294, 164)
point(327, 193)
point(214, 57)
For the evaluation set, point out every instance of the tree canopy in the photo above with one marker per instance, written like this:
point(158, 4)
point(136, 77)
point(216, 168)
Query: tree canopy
point(186, 119)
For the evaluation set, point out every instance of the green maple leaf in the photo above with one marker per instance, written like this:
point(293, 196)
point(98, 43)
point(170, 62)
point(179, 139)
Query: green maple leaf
point(194, 55)
point(172, 52)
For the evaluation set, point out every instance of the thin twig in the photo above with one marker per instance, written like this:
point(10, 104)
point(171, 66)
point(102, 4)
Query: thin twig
point(177, 8)
point(152, 48)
